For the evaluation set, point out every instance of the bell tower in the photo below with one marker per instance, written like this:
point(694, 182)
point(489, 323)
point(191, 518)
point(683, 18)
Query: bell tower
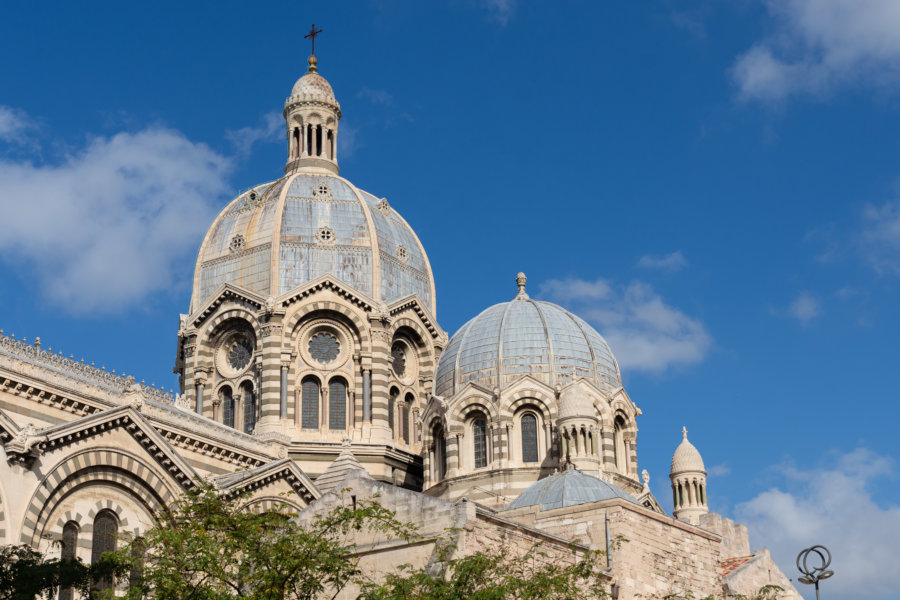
point(311, 115)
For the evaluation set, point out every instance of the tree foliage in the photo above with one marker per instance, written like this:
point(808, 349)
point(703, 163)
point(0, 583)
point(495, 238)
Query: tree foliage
point(26, 574)
point(210, 547)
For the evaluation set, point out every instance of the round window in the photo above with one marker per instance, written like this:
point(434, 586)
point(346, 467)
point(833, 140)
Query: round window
point(324, 347)
point(234, 354)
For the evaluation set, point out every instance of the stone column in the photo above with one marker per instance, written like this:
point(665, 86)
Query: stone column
point(381, 350)
point(367, 396)
point(199, 386)
point(284, 391)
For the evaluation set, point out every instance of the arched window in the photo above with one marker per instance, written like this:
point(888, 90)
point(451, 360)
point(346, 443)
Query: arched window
point(479, 441)
point(67, 552)
point(106, 530)
point(619, 446)
point(309, 398)
point(440, 452)
point(227, 398)
point(337, 404)
point(529, 438)
point(249, 400)
point(404, 416)
point(392, 406)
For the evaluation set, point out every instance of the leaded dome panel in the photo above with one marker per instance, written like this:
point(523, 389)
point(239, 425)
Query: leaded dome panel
point(525, 337)
point(270, 240)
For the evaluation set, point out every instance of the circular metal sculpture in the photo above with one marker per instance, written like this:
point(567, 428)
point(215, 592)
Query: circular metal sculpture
point(813, 562)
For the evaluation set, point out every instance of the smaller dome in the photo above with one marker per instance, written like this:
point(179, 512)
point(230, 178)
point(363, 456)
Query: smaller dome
point(313, 84)
point(686, 457)
point(568, 488)
point(575, 402)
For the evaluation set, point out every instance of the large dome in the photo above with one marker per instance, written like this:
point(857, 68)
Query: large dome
point(525, 336)
point(281, 235)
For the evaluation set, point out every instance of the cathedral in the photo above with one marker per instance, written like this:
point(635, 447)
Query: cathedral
point(311, 362)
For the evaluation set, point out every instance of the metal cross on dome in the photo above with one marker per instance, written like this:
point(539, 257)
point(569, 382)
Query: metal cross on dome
point(312, 36)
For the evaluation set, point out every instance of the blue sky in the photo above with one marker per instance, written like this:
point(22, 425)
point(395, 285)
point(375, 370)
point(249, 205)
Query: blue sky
point(713, 185)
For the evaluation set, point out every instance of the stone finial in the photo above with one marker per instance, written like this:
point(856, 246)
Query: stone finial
point(684, 433)
point(520, 281)
point(312, 64)
point(345, 443)
point(645, 477)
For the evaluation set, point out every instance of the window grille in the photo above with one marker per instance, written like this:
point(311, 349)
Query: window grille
point(310, 400)
point(337, 404)
point(479, 431)
point(529, 439)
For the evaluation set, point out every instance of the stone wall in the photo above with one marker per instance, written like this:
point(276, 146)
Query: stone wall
point(660, 555)
point(735, 541)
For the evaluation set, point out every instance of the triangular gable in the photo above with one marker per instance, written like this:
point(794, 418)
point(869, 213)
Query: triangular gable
point(8, 427)
point(415, 304)
point(127, 418)
point(258, 478)
point(326, 282)
point(226, 291)
point(529, 382)
point(337, 470)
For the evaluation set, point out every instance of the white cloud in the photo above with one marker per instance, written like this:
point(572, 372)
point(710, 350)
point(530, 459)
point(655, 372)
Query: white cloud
point(644, 332)
point(272, 129)
point(14, 125)
point(805, 308)
point(834, 507)
point(718, 470)
point(499, 10)
point(380, 97)
point(106, 227)
point(348, 140)
point(880, 236)
point(667, 262)
point(817, 45)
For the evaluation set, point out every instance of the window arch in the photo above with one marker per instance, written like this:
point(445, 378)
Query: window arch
point(440, 452)
point(248, 398)
point(621, 456)
point(337, 404)
point(479, 441)
point(529, 429)
point(67, 552)
point(392, 406)
point(226, 396)
point(296, 143)
point(405, 410)
point(106, 531)
point(309, 403)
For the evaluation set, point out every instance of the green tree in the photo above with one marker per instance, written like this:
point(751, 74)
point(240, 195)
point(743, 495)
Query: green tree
point(26, 574)
point(212, 547)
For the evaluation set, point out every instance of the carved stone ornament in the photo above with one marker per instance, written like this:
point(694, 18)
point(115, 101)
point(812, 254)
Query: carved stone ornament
point(383, 207)
point(325, 235)
point(269, 330)
point(321, 191)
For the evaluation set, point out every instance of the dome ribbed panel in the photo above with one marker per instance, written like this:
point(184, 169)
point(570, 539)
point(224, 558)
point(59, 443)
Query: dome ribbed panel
point(399, 278)
point(446, 371)
point(524, 344)
point(302, 257)
point(246, 267)
point(605, 364)
point(687, 458)
point(568, 488)
point(478, 352)
point(522, 338)
point(572, 356)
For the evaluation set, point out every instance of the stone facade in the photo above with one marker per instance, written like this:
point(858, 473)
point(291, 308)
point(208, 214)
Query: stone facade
point(312, 366)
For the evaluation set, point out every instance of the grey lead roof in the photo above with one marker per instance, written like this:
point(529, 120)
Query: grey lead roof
point(568, 488)
point(525, 337)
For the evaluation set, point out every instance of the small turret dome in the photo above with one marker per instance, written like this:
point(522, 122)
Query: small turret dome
point(686, 457)
point(313, 84)
point(575, 403)
point(568, 488)
point(526, 337)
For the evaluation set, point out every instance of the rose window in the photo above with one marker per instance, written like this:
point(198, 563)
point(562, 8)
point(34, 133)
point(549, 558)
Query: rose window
point(324, 347)
point(240, 354)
